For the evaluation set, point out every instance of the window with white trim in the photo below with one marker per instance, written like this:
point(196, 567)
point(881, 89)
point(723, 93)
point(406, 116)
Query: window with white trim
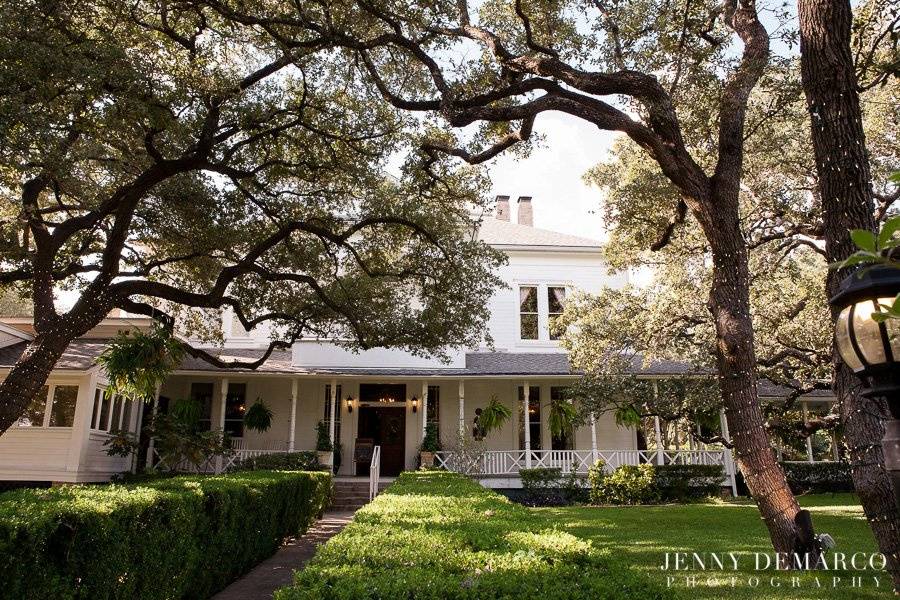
point(528, 313)
point(556, 303)
point(52, 406)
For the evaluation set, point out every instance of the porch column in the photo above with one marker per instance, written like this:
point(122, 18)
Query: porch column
point(660, 454)
point(138, 423)
point(594, 454)
point(333, 412)
point(151, 444)
point(222, 403)
point(729, 459)
point(293, 421)
point(462, 407)
point(809, 448)
point(527, 419)
point(424, 409)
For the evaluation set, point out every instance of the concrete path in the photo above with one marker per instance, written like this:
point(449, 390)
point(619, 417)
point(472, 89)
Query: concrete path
point(277, 571)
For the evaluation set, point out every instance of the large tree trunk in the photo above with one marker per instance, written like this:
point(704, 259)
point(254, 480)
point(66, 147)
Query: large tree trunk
point(729, 303)
point(842, 164)
point(54, 333)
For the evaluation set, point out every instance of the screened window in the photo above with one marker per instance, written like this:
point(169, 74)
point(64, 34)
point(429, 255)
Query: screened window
point(327, 415)
point(116, 413)
point(34, 413)
point(534, 417)
point(105, 408)
point(556, 302)
point(62, 411)
point(434, 407)
point(235, 405)
point(98, 403)
point(126, 415)
point(202, 393)
point(528, 312)
point(565, 441)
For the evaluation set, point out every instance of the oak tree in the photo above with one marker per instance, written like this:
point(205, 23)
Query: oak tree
point(160, 158)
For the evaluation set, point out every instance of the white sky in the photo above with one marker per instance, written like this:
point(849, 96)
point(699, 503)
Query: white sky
point(552, 175)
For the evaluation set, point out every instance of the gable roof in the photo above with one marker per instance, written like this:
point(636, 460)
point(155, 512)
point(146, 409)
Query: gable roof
point(506, 233)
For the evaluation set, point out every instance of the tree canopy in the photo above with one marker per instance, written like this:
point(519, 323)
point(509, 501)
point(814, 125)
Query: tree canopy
point(169, 161)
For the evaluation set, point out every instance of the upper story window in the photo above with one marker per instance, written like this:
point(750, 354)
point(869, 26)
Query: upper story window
point(556, 302)
point(539, 307)
point(528, 312)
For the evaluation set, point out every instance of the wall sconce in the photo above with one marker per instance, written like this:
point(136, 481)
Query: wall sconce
point(415, 404)
point(349, 404)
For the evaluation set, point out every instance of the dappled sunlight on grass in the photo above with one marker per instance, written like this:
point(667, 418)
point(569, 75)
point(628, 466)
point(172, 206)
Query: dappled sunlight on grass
point(641, 536)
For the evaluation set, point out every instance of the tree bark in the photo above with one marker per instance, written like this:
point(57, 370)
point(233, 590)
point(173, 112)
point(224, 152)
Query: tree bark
point(729, 304)
point(844, 179)
point(31, 371)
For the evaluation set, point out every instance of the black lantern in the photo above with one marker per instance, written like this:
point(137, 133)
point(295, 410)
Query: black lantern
point(871, 347)
point(349, 404)
point(415, 404)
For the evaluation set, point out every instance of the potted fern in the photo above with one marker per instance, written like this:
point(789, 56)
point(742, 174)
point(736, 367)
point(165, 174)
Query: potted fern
point(430, 444)
point(493, 416)
point(258, 417)
point(324, 447)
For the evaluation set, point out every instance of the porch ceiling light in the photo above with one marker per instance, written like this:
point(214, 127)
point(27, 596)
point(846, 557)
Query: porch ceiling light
point(871, 348)
point(415, 404)
point(349, 403)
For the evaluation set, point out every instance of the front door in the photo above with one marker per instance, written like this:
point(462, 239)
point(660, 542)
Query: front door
point(386, 427)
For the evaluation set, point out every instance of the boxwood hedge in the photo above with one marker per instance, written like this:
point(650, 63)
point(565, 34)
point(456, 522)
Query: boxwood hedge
point(438, 535)
point(184, 537)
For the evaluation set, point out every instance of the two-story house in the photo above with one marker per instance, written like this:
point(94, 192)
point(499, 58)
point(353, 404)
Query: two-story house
point(384, 396)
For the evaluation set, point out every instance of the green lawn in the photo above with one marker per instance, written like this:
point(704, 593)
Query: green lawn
point(641, 536)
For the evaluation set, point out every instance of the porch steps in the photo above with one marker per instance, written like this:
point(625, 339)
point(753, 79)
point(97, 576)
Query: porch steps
point(352, 494)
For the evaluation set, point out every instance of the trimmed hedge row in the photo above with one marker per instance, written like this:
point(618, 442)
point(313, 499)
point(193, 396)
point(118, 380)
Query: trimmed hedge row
point(649, 484)
point(806, 477)
point(437, 535)
point(288, 461)
point(184, 537)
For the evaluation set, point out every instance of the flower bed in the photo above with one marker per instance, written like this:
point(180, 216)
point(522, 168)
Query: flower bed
point(434, 535)
point(184, 537)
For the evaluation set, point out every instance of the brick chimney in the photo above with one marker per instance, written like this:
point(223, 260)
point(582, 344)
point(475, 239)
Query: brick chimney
point(502, 213)
point(526, 216)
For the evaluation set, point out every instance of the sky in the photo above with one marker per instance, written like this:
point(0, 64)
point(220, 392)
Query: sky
point(552, 175)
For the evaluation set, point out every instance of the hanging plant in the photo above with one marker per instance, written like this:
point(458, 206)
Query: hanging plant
point(186, 412)
point(137, 362)
point(493, 416)
point(563, 416)
point(258, 417)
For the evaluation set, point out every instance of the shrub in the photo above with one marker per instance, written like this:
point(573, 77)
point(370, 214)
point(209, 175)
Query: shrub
point(682, 483)
point(806, 477)
point(438, 535)
point(323, 439)
point(628, 484)
point(550, 487)
point(431, 442)
point(287, 461)
point(183, 537)
point(596, 475)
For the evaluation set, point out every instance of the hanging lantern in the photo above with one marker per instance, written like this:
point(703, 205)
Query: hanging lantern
point(870, 346)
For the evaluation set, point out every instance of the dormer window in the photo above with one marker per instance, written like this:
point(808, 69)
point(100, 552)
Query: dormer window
point(528, 313)
point(539, 306)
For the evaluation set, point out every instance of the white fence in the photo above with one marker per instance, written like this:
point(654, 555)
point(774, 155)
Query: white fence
point(490, 463)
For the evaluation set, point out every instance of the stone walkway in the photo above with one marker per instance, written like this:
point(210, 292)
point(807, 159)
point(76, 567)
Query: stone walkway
point(277, 571)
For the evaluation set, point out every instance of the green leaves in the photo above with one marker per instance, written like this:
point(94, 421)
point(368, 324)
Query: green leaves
point(493, 416)
point(258, 417)
point(864, 240)
point(874, 250)
point(137, 362)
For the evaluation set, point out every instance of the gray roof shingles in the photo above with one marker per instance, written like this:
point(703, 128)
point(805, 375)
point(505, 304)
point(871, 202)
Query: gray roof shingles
point(82, 355)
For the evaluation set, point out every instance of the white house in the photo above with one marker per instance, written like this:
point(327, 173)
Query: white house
point(383, 396)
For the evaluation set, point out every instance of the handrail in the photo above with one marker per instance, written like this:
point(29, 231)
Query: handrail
point(374, 472)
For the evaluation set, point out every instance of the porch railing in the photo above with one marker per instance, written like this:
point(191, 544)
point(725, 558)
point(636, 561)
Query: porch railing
point(213, 465)
point(509, 462)
point(374, 472)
